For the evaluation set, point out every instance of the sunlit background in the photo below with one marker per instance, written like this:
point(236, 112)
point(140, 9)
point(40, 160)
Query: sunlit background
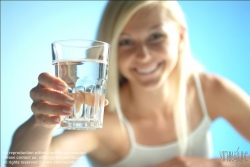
point(220, 40)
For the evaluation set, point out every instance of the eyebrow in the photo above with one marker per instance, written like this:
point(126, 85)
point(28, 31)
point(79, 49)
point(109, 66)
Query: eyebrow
point(150, 29)
point(122, 34)
point(156, 26)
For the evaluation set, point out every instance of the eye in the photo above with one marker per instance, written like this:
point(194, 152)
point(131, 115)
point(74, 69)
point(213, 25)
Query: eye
point(125, 42)
point(156, 36)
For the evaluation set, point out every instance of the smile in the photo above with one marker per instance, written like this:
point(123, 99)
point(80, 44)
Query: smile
point(148, 70)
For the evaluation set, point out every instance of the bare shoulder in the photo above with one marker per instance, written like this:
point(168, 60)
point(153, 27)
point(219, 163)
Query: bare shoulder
point(216, 90)
point(213, 86)
point(212, 83)
point(218, 87)
point(223, 97)
point(226, 99)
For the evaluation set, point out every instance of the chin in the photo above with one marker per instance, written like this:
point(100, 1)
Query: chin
point(152, 85)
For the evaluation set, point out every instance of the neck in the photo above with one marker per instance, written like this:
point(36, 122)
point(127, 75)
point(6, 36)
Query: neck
point(144, 103)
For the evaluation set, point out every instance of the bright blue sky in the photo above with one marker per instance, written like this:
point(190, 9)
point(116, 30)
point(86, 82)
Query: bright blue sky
point(219, 33)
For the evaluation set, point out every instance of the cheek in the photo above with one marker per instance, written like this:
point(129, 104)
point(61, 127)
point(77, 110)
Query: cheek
point(173, 58)
point(125, 57)
point(173, 51)
point(169, 54)
point(123, 64)
point(120, 64)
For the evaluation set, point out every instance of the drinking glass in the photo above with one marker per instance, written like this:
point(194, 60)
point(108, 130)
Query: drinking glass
point(83, 65)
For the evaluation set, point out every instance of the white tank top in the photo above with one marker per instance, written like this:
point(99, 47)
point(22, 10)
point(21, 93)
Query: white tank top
point(199, 143)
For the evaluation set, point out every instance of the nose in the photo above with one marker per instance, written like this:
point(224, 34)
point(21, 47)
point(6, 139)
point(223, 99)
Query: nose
point(142, 52)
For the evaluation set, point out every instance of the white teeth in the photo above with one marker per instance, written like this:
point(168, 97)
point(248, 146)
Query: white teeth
point(148, 70)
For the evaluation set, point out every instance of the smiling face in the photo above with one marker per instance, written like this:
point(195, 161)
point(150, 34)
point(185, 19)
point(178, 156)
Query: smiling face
point(148, 48)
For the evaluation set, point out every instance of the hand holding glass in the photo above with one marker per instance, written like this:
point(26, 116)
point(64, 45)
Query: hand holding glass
point(83, 65)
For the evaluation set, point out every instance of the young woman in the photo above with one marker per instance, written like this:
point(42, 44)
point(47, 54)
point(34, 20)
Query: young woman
point(160, 103)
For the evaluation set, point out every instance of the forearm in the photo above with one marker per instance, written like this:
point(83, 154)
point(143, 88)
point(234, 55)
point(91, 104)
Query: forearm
point(204, 162)
point(245, 163)
point(31, 137)
point(239, 162)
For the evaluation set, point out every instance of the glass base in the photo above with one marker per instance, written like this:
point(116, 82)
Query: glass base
point(79, 125)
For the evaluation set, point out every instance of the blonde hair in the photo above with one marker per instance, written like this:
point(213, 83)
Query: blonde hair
point(115, 17)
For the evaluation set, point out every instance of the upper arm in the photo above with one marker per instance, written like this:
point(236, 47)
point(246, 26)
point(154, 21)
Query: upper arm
point(225, 99)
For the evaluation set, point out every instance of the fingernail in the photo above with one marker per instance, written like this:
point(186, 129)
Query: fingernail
point(106, 102)
point(61, 86)
point(56, 120)
point(69, 101)
point(66, 110)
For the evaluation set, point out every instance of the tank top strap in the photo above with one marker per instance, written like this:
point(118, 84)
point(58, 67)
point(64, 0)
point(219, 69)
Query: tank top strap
point(130, 130)
point(200, 93)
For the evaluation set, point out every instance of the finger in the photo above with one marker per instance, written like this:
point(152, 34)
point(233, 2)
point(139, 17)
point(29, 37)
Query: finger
point(42, 107)
point(46, 94)
point(82, 97)
point(86, 98)
point(79, 100)
point(106, 102)
point(89, 99)
point(47, 120)
point(50, 81)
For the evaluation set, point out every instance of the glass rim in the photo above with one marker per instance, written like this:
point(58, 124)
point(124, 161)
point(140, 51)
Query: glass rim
point(64, 43)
